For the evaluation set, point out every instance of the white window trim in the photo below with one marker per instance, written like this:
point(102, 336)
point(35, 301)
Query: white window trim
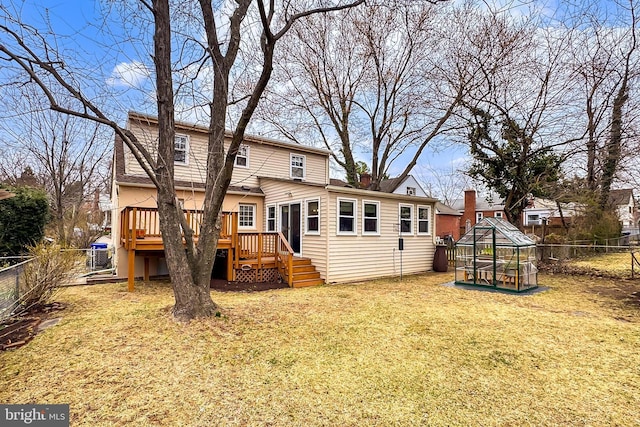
point(413, 211)
point(306, 217)
point(304, 166)
point(253, 209)
point(355, 217)
point(186, 149)
point(246, 147)
point(479, 217)
point(377, 218)
point(275, 218)
point(412, 191)
point(498, 214)
point(429, 221)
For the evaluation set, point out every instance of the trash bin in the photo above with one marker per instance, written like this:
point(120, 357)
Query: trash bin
point(440, 262)
point(100, 253)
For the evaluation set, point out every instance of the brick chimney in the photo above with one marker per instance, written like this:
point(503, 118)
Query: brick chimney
point(469, 207)
point(365, 180)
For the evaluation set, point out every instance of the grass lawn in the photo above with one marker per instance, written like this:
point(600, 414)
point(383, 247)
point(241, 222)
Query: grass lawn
point(613, 264)
point(376, 353)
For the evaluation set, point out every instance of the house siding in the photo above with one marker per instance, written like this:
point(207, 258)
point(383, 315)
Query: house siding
point(280, 192)
point(264, 159)
point(360, 257)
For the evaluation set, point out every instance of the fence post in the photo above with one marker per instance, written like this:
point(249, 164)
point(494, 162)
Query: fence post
point(17, 284)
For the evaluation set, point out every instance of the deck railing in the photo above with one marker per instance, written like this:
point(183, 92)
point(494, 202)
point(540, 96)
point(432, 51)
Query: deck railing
point(137, 223)
point(259, 246)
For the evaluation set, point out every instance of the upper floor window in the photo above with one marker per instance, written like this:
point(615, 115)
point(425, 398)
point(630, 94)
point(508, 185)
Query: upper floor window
point(271, 218)
point(246, 216)
point(297, 169)
point(411, 191)
point(242, 158)
point(313, 216)
point(346, 216)
point(424, 215)
point(370, 217)
point(406, 219)
point(479, 217)
point(181, 149)
point(497, 214)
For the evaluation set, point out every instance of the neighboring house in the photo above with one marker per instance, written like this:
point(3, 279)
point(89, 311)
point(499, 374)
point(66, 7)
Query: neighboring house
point(474, 210)
point(543, 211)
point(627, 210)
point(447, 221)
point(277, 189)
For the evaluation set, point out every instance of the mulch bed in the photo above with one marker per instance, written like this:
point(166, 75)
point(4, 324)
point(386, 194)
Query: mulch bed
point(225, 286)
point(18, 331)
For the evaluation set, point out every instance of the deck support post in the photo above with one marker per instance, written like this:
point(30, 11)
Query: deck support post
point(230, 277)
point(131, 269)
point(146, 269)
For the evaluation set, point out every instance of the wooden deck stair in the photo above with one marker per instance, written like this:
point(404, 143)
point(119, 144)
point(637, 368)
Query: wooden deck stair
point(305, 273)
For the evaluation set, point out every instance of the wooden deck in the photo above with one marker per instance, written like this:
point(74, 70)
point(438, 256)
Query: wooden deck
point(249, 255)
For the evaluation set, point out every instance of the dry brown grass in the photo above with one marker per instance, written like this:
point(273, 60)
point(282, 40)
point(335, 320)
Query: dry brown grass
point(376, 353)
point(614, 264)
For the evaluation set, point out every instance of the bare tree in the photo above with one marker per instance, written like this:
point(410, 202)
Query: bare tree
point(386, 92)
point(69, 156)
point(518, 135)
point(605, 62)
point(218, 32)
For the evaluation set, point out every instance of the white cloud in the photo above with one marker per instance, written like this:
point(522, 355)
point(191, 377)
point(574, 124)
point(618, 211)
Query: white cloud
point(129, 74)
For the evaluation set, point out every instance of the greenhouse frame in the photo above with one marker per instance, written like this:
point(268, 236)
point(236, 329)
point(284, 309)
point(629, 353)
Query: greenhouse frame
point(494, 253)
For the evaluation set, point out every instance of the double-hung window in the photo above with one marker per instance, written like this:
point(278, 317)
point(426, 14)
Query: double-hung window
point(297, 166)
point(313, 216)
point(242, 158)
point(424, 215)
point(370, 217)
point(181, 149)
point(271, 218)
point(246, 216)
point(346, 216)
point(406, 219)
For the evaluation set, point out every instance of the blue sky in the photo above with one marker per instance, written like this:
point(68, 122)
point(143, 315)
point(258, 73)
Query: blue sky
point(121, 70)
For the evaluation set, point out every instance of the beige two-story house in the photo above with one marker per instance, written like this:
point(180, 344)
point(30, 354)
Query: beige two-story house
point(281, 200)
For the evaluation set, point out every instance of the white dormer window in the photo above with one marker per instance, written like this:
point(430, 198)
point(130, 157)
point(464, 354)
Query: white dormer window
point(181, 149)
point(297, 166)
point(411, 191)
point(242, 158)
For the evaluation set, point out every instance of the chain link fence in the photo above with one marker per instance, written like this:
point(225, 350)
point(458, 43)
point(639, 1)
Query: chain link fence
point(91, 261)
point(11, 278)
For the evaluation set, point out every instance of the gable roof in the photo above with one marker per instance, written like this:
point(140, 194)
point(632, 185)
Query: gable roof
point(442, 209)
point(184, 126)
point(620, 197)
point(390, 185)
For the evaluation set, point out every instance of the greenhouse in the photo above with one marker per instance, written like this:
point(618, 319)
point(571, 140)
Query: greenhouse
point(496, 254)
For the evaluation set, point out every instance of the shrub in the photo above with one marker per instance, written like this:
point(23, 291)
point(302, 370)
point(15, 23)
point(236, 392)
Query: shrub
point(22, 220)
point(50, 268)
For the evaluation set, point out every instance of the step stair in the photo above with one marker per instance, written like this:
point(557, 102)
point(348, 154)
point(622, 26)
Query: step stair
point(305, 273)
